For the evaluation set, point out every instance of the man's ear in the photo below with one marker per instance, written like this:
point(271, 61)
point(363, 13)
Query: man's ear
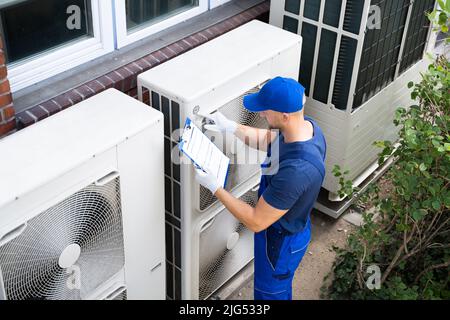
point(286, 116)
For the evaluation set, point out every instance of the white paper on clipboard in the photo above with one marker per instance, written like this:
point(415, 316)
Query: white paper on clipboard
point(203, 152)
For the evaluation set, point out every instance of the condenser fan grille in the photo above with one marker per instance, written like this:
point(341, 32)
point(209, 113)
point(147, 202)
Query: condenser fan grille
point(226, 246)
point(68, 250)
point(239, 173)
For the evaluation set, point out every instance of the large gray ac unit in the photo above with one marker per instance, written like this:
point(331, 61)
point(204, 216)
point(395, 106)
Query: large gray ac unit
point(356, 74)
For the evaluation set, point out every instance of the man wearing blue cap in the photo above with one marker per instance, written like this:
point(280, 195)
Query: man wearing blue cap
point(288, 190)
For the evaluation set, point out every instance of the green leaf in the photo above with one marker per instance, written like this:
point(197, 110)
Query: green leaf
point(436, 204)
point(422, 167)
point(410, 84)
point(447, 145)
point(419, 214)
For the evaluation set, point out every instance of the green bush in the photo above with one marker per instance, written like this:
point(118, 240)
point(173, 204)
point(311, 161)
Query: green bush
point(407, 235)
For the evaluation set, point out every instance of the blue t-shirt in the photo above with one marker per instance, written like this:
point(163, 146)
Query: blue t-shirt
point(296, 183)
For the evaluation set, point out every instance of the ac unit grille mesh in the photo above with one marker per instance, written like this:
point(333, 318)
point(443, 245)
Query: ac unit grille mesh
point(381, 49)
point(416, 39)
point(121, 296)
point(217, 263)
point(239, 173)
point(91, 219)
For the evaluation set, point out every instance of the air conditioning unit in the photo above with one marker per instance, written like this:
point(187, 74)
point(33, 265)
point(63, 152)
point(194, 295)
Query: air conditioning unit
point(82, 204)
point(206, 244)
point(357, 58)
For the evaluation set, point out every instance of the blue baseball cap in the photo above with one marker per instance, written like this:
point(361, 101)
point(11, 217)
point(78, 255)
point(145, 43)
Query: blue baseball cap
point(279, 94)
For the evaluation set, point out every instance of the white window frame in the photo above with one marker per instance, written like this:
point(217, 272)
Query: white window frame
point(216, 3)
point(124, 37)
point(50, 63)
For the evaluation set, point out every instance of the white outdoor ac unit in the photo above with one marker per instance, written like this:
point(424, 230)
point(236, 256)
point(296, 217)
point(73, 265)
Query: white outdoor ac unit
point(206, 244)
point(82, 204)
point(357, 58)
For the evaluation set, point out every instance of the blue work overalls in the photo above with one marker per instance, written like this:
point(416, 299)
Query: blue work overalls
point(277, 251)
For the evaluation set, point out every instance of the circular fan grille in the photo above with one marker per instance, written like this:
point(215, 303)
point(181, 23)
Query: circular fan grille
point(217, 263)
point(239, 173)
point(91, 219)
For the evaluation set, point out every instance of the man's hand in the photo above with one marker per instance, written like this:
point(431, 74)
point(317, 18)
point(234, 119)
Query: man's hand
point(221, 123)
point(207, 179)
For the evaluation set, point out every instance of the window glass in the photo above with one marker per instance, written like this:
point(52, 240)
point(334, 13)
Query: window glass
point(32, 27)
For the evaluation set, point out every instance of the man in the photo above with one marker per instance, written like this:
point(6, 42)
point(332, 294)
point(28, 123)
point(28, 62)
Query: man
point(288, 191)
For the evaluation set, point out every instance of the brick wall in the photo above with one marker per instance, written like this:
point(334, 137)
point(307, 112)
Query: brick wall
point(125, 77)
point(7, 114)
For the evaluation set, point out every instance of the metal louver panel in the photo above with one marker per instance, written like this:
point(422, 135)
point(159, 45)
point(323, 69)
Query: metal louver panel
point(381, 50)
point(332, 12)
point(309, 34)
point(226, 246)
point(172, 120)
point(238, 173)
point(416, 39)
point(353, 16)
point(344, 71)
point(292, 6)
point(68, 250)
point(325, 67)
point(312, 9)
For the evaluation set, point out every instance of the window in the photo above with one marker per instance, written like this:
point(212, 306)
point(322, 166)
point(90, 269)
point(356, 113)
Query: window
point(137, 19)
point(45, 37)
point(216, 3)
point(42, 38)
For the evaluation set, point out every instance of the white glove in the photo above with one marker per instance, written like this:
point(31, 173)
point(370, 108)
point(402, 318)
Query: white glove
point(207, 179)
point(221, 123)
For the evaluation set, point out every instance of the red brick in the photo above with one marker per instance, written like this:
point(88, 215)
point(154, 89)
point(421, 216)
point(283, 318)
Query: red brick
point(159, 56)
point(132, 92)
point(106, 82)
point(168, 53)
point(7, 127)
point(127, 84)
point(206, 35)
point(3, 72)
point(125, 73)
point(73, 96)
point(39, 112)
point(239, 19)
point(186, 46)
point(51, 106)
point(115, 77)
point(199, 38)
point(143, 64)
point(5, 99)
point(146, 96)
point(62, 101)
point(175, 48)
point(193, 41)
point(95, 86)
point(8, 113)
point(4, 86)
point(85, 91)
point(134, 68)
point(25, 119)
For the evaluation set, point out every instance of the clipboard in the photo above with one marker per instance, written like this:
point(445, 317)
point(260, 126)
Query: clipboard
point(203, 152)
